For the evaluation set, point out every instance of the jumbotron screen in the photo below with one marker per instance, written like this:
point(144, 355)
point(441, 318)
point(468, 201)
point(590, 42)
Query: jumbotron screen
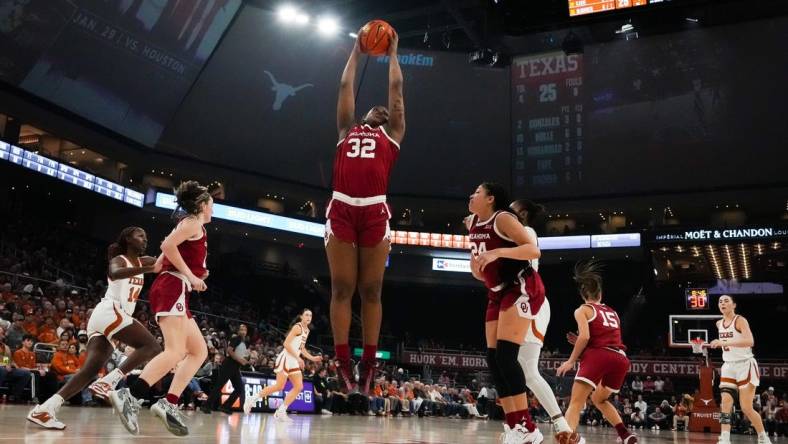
point(583, 7)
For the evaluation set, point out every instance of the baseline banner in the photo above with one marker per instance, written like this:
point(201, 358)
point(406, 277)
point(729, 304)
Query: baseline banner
point(637, 367)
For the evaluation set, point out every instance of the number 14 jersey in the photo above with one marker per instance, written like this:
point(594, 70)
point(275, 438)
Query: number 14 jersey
point(363, 161)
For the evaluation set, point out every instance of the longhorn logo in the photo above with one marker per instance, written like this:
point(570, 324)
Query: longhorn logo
point(283, 91)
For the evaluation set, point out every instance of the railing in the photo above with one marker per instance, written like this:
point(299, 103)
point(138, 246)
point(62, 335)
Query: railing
point(21, 277)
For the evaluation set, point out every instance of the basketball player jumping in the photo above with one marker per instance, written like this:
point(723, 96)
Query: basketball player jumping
point(183, 265)
point(112, 318)
point(598, 345)
point(289, 365)
point(501, 251)
point(739, 374)
point(357, 228)
point(529, 353)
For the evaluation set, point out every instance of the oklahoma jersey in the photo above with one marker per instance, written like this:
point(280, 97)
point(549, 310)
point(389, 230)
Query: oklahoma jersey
point(194, 253)
point(604, 328)
point(484, 236)
point(363, 162)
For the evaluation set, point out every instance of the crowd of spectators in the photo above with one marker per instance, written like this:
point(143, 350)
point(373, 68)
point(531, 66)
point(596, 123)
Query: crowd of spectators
point(46, 298)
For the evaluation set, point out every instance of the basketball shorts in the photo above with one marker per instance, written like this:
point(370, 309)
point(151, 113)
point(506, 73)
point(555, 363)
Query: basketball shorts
point(363, 222)
point(169, 295)
point(527, 294)
point(107, 319)
point(287, 363)
point(603, 366)
point(535, 334)
point(737, 374)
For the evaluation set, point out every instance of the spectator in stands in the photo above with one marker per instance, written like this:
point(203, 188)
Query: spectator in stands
point(641, 404)
point(658, 419)
point(637, 385)
point(617, 403)
point(637, 419)
point(65, 325)
point(438, 402)
point(376, 400)
point(63, 364)
point(470, 404)
point(46, 333)
point(82, 341)
point(16, 377)
point(680, 413)
point(659, 385)
point(668, 387)
point(781, 416)
point(626, 410)
point(648, 385)
point(769, 413)
point(13, 336)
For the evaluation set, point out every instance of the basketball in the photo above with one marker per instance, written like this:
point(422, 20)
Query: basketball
point(374, 37)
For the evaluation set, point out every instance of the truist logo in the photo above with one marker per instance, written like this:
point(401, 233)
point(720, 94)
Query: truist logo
point(283, 90)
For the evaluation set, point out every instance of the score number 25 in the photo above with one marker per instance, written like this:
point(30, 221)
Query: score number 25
point(548, 92)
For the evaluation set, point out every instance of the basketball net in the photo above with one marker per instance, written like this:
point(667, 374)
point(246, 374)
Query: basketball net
point(699, 347)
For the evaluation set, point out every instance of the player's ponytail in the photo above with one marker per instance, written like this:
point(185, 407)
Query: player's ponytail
point(499, 193)
point(190, 196)
point(589, 280)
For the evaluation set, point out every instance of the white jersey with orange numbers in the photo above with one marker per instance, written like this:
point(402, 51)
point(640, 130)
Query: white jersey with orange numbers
point(299, 340)
point(286, 362)
point(125, 292)
point(728, 331)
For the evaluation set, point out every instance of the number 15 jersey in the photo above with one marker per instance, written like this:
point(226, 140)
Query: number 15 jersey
point(363, 161)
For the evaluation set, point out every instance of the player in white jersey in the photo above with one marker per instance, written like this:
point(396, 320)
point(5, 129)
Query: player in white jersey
point(739, 374)
point(528, 356)
point(288, 365)
point(112, 318)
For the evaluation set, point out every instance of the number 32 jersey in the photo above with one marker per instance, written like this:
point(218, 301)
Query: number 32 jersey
point(363, 161)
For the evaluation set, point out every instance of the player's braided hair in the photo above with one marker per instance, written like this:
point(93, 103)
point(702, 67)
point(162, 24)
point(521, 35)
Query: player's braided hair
point(121, 245)
point(588, 279)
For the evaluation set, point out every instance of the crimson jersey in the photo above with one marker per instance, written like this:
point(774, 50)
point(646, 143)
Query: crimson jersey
point(194, 253)
point(484, 236)
point(363, 161)
point(604, 328)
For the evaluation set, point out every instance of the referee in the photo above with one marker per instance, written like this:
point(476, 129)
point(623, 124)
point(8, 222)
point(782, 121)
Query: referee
point(230, 370)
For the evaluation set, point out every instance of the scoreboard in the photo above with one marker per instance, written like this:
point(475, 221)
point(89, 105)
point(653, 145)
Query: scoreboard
point(697, 298)
point(583, 7)
point(547, 120)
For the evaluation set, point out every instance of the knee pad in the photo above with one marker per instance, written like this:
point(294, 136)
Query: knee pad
point(731, 391)
point(509, 366)
point(500, 382)
point(725, 418)
point(531, 369)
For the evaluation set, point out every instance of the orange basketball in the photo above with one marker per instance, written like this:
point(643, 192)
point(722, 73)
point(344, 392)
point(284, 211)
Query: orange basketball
point(374, 37)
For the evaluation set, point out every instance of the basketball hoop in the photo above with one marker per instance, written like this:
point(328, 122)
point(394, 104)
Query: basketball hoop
point(697, 346)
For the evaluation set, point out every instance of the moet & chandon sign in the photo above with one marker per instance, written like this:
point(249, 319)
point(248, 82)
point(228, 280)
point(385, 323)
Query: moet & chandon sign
point(727, 234)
